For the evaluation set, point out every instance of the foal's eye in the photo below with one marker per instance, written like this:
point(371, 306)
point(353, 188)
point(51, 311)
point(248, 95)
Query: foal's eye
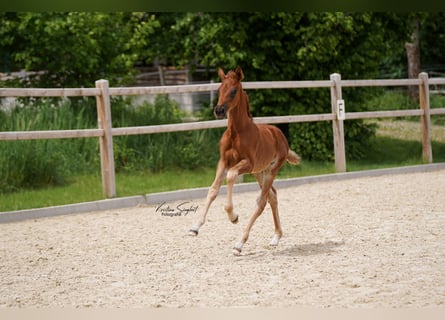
point(233, 93)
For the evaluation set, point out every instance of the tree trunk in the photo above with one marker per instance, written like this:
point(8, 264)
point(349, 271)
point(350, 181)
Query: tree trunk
point(413, 55)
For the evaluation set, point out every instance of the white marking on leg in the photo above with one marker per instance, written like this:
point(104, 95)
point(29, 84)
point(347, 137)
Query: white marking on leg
point(238, 248)
point(275, 240)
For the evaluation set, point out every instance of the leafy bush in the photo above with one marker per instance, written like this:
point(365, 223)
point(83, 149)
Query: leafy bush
point(154, 152)
point(31, 164)
point(39, 163)
point(314, 140)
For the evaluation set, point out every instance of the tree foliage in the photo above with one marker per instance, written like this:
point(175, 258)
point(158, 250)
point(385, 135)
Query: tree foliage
point(432, 42)
point(74, 48)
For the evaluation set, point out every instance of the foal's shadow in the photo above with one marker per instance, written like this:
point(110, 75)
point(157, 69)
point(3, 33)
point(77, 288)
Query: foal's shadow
point(310, 249)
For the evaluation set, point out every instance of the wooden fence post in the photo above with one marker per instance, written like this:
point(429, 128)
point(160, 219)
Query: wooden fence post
point(106, 141)
point(424, 99)
point(337, 125)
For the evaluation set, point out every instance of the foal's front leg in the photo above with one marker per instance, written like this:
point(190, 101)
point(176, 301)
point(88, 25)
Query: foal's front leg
point(241, 167)
point(273, 201)
point(211, 195)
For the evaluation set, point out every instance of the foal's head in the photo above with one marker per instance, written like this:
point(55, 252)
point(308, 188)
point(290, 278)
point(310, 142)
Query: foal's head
point(229, 91)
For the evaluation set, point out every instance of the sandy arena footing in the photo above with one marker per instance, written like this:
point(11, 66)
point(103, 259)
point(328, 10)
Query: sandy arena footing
point(367, 242)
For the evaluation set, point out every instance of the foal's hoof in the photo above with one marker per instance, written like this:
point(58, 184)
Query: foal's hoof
point(193, 232)
point(235, 221)
point(236, 251)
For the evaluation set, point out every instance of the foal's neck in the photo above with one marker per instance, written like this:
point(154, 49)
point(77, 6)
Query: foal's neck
point(239, 117)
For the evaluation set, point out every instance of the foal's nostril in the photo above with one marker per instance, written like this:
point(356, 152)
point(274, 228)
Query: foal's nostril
point(220, 111)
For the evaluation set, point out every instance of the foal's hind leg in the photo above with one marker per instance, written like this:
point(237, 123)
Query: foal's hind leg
point(211, 195)
point(273, 201)
point(267, 181)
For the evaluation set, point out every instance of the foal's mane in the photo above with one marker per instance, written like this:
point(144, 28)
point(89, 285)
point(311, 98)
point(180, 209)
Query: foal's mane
point(247, 104)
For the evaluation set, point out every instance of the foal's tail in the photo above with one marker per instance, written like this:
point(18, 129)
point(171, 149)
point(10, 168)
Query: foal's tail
point(293, 158)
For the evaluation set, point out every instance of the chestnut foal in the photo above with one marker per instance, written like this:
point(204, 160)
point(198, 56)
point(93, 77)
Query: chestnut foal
point(246, 147)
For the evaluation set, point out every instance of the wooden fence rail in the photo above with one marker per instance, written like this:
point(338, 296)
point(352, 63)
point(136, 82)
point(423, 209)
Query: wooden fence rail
point(105, 132)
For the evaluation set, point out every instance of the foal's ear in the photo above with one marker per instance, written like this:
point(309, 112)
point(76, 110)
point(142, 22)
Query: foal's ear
point(221, 74)
point(239, 73)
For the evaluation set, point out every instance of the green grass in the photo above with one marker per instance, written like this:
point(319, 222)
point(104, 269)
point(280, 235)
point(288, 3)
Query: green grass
point(399, 100)
point(146, 182)
point(80, 189)
point(389, 152)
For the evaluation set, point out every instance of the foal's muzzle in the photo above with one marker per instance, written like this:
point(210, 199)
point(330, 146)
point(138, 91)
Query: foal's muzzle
point(220, 111)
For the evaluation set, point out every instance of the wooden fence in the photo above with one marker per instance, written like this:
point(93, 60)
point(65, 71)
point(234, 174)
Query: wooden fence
point(105, 132)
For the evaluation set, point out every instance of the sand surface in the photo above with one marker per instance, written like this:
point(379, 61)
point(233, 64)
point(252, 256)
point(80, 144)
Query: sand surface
point(370, 242)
